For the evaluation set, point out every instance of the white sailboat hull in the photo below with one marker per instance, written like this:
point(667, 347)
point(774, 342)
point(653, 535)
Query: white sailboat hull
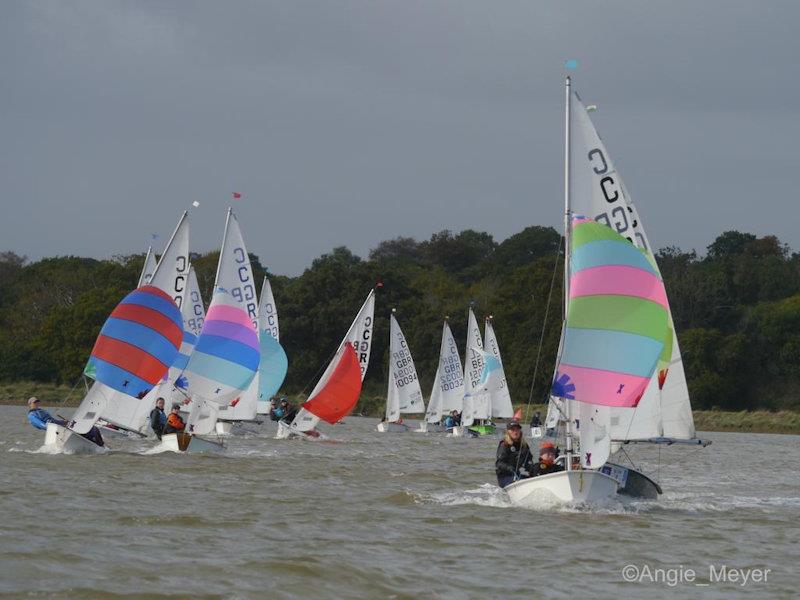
point(223, 427)
point(62, 440)
point(285, 432)
point(190, 444)
point(385, 427)
point(459, 431)
point(567, 487)
point(426, 427)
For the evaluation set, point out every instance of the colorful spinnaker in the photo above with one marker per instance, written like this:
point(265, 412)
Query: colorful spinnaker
point(617, 321)
point(227, 353)
point(138, 342)
point(274, 363)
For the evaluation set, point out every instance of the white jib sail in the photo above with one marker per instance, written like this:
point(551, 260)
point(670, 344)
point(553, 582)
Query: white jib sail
point(404, 394)
point(171, 276)
point(476, 401)
point(500, 398)
point(597, 191)
point(360, 337)
point(149, 267)
point(448, 384)
point(595, 434)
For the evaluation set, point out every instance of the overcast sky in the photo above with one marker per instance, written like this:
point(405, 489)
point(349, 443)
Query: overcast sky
point(347, 123)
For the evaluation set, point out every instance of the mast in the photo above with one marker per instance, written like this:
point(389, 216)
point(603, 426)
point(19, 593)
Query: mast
point(222, 249)
point(567, 240)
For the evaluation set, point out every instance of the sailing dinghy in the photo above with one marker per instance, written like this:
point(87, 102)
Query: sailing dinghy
point(664, 413)
point(616, 329)
point(404, 395)
point(274, 363)
point(226, 357)
point(126, 415)
point(337, 391)
point(475, 416)
point(136, 345)
point(447, 394)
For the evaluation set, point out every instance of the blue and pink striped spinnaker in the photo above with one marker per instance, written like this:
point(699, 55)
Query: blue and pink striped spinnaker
point(227, 353)
point(138, 342)
point(617, 321)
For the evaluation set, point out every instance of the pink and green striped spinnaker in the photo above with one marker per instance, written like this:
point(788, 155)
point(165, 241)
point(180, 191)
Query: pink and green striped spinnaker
point(617, 322)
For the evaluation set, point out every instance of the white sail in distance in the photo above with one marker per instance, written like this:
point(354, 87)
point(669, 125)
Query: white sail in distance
point(476, 400)
point(359, 336)
point(404, 394)
point(149, 267)
point(447, 394)
point(500, 397)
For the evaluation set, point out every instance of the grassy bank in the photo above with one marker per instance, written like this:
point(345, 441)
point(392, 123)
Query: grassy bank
point(755, 421)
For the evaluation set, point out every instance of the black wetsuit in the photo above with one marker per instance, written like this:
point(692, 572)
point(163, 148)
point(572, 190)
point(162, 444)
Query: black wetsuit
point(511, 458)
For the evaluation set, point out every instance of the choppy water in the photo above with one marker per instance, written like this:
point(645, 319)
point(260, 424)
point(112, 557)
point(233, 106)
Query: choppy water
point(380, 516)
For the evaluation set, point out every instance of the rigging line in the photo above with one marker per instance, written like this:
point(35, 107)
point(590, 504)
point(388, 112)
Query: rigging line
point(544, 326)
point(541, 341)
point(69, 395)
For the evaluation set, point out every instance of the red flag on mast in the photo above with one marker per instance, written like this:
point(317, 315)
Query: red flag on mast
point(236, 195)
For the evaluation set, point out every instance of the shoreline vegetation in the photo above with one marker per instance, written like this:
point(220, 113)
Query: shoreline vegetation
point(744, 421)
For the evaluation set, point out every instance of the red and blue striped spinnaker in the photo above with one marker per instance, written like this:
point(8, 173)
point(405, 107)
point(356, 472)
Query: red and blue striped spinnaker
point(617, 320)
point(227, 353)
point(138, 342)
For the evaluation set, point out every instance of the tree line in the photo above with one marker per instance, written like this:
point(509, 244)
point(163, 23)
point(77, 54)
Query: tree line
point(736, 310)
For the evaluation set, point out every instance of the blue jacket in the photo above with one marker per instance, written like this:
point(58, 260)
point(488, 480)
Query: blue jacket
point(39, 418)
point(449, 421)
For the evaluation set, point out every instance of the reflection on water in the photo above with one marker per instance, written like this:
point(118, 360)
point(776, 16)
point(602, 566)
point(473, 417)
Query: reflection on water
point(374, 515)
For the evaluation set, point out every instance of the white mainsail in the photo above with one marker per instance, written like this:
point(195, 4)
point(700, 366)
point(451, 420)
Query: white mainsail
point(447, 394)
point(170, 275)
point(149, 267)
point(234, 272)
point(404, 395)
point(598, 192)
point(500, 398)
point(476, 400)
point(359, 336)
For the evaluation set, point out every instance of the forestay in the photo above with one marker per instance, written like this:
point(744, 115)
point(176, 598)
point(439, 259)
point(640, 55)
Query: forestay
point(404, 394)
point(447, 394)
point(597, 191)
point(359, 339)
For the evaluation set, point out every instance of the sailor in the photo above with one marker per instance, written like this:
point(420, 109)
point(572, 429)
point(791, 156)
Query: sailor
point(452, 420)
point(158, 419)
point(536, 421)
point(284, 411)
point(547, 460)
point(514, 459)
point(39, 417)
point(174, 421)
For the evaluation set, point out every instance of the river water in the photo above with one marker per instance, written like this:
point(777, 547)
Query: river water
point(372, 515)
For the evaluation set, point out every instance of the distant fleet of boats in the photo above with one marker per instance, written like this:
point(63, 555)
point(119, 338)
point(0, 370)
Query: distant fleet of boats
point(619, 373)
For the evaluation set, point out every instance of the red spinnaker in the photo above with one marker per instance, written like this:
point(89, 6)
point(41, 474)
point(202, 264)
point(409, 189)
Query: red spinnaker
point(340, 394)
